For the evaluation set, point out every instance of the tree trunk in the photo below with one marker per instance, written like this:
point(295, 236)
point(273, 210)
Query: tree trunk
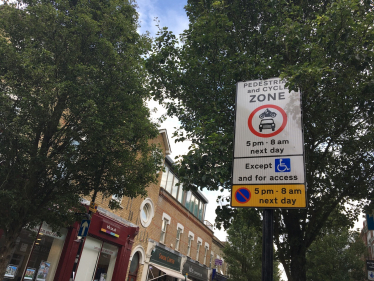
point(298, 263)
point(6, 250)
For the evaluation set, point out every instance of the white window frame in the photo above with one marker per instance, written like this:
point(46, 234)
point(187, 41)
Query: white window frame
point(151, 208)
point(165, 221)
point(199, 243)
point(211, 259)
point(180, 229)
point(206, 252)
point(191, 237)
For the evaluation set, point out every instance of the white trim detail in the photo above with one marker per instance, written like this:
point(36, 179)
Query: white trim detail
point(166, 141)
point(151, 211)
point(166, 216)
point(180, 226)
point(199, 240)
point(139, 249)
point(191, 234)
point(206, 245)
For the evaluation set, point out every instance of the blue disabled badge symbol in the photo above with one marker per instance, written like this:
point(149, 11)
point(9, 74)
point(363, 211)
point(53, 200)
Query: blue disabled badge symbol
point(282, 165)
point(370, 275)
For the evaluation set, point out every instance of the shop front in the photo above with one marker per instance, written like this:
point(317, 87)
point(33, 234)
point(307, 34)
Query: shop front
point(164, 265)
point(43, 255)
point(195, 271)
point(36, 254)
point(105, 253)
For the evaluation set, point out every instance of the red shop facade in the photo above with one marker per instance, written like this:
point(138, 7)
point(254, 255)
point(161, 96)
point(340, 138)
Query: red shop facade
point(50, 257)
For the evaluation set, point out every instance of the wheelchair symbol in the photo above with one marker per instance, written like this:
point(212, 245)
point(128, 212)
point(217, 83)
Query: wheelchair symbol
point(282, 165)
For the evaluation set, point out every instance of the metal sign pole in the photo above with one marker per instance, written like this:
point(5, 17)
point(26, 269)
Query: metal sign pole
point(267, 245)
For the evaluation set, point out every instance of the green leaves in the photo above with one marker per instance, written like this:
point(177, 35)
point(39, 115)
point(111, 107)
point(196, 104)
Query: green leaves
point(72, 116)
point(324, 49)
point(337, 256)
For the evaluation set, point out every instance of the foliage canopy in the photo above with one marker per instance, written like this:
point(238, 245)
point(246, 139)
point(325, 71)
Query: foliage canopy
point(72, 116)
point(324, 49)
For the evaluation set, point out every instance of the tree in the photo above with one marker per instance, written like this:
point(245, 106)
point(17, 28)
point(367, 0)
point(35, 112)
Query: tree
point(243, 248)
point(73, 121)
point(336, 255)
point(322, 48)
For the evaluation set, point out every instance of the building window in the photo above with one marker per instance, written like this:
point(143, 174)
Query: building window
point(195, 205)
point(170, 182)
point(199, 242)
point(146, 212)
point(190, 238)
point(164, 177)
point(165, 221)
point(163, 230)
point(206, 252)
point(179, 232)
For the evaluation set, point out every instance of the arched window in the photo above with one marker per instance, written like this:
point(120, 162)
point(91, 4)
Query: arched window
point(134, 266)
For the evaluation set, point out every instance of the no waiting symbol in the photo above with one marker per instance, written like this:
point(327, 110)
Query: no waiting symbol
point(242, 195)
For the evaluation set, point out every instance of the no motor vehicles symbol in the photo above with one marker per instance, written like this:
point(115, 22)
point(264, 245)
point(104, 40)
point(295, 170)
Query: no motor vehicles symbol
point(270, 118)
point(242, 195)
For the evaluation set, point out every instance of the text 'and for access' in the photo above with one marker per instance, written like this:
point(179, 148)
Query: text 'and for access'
point(280, 165)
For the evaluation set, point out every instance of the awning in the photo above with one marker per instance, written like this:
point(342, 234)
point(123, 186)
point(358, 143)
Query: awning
point(167, 271)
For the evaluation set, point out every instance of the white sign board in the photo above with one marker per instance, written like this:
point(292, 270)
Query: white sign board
point(269, 170)
point(268, 167)
point(268, 120)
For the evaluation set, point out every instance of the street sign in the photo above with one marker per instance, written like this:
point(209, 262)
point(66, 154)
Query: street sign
point(242, 195)
point(269, 196)
point(268, 120)
point(268, 146)
point(83, 230)
point(269, 170)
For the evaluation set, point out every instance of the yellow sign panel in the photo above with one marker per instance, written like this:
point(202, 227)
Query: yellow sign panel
point(93, 207)
point(269, 196)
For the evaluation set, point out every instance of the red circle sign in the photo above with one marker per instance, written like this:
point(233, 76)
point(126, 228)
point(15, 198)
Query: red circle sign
point(284, 123)
point(242, 195)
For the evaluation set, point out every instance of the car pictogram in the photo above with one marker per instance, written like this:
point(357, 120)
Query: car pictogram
point(267, 124)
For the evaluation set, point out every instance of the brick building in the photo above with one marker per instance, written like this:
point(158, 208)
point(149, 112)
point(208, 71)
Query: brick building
point(171, 238)
point(161, 237)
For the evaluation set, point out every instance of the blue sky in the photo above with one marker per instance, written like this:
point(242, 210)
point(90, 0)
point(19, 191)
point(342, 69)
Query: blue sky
point(168, 12)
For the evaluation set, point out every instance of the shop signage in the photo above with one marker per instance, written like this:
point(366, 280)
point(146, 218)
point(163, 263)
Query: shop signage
point(370, 269)
point(218, 262)
point(110, 229)
point(195, 270)
point(47, 230)
point(165, 258)
point(268, 164)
